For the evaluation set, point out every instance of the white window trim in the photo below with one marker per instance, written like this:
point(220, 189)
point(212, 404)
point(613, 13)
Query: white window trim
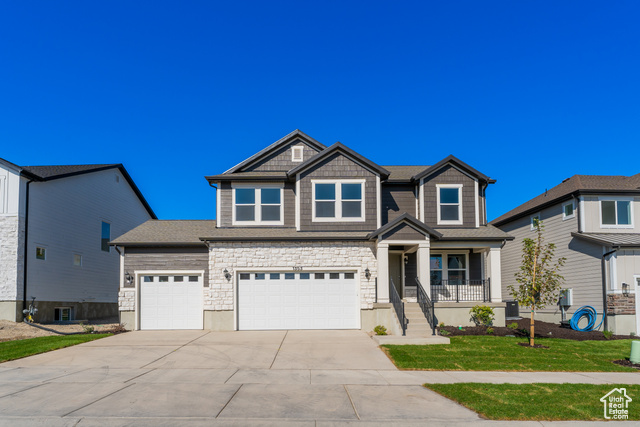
point(256, 206)
point(35, 253)
point(459, 221)
point(616, 199)
point(3, 191)
point(297, 154)
point(338, 200)
point(444, 255)
point(573, 215)
point(539, 215)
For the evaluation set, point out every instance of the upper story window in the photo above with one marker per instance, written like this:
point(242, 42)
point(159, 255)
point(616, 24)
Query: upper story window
point(340, 200)
point(41, 253)
point(257, 205)
point(616, 213)
point(106, 237)
point(297, 153)
point(449, 203)
point(535, 219)
point(568, 211)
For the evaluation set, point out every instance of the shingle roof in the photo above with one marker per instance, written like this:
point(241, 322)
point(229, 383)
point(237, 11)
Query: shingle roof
point(59, 171)
point(274, 233)
point(167, 233)
point(484, 232)
point(408, 219)
point(403, 172)
point(573, 185)
point(611, 239)
point(259, 175)
point(335, 148)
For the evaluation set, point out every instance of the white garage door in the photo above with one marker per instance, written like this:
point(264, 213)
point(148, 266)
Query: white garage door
point(301, 300)
point(171, 302)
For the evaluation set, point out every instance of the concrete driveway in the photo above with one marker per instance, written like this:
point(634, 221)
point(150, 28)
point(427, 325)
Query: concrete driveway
point(220, 378)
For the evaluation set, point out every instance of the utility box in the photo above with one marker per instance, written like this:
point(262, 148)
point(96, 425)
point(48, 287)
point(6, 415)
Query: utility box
point(512, 310)
point(566, 297)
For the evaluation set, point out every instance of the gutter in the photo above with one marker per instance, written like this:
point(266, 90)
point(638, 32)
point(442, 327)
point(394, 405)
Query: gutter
point(604, 287)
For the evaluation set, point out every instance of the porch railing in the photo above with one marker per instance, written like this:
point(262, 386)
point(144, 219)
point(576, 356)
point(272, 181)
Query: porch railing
point(461, 290)
point(426, 305)
point(398, 305)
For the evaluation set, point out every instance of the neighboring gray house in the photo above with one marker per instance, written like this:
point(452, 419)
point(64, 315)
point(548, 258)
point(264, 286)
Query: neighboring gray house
point(589, 218)
point(55, 226)
point(316, 237)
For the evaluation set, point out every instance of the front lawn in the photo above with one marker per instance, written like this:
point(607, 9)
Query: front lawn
point(485, 353)
point(537, 402)
point(12, 350)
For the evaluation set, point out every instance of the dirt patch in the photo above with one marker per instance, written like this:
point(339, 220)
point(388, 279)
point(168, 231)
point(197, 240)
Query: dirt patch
point(526, 344)
point(10, 331)
point(627, 362)
point(542, 330)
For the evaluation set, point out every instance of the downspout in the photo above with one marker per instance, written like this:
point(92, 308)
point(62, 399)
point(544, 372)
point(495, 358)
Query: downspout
point(604, 289)
point(26, 240)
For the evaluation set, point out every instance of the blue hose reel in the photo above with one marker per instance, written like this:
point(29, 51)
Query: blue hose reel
point(592, 316)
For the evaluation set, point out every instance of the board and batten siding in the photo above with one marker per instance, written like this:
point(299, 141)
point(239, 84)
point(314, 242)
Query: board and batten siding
point(335, 167)
point(627, 268)
point(592, 216)
point(226, 204)
point(166, 259)
point(582, 270)
point(65, 217)
point(281, 159)
point(450, 175)
point(396, 200)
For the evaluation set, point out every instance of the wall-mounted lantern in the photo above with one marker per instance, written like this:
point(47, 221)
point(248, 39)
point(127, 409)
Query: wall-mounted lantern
point(367, 273)
point(128, 278)
point(227, 275)
point(625, 289)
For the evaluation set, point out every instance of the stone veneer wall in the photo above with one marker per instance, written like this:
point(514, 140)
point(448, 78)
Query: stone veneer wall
point(308, 255)
point(11, 258)
point(127, 299)
point(618, 304)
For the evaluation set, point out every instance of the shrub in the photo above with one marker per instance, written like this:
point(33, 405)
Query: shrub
point(513, 325)
point(88, 329)
point(607, 334)
point(632, 334)
point(380, 330)
point(482, 315)
point(441, 325)
point(490, 330)
point(444, 332)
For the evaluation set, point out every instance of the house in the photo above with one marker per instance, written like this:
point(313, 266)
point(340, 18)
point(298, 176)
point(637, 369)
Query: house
point(595, 222)
point(55, 226)
point(314, 237)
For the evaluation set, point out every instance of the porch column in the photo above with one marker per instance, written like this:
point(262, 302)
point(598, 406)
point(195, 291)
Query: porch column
point(383, 272)
point(495, 274)
point(424, 275)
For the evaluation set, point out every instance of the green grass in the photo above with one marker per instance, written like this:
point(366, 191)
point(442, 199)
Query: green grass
point(11, 350)
point(478, 353)
point(537, 402)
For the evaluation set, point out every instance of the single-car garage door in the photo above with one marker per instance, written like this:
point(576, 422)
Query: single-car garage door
point(171, 302)
point(300, 300)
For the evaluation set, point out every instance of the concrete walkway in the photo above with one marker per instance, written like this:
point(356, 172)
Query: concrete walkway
point(319, 378)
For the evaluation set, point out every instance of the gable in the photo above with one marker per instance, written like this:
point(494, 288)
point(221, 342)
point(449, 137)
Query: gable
point(337, 165)
point(403, 231)
point(281, 159)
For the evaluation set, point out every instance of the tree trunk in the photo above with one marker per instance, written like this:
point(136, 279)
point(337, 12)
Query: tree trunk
point(531, 329)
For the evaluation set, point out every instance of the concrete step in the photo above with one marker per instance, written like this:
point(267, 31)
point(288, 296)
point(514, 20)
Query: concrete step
point(411, 340)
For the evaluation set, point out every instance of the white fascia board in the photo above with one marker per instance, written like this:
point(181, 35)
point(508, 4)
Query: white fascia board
point(475, 186)
point(298, 202)
point(421, 201)
point(378, 202)
point(218, 205)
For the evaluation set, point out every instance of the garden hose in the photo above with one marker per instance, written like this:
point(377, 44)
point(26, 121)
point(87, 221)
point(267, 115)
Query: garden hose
point(590, 313)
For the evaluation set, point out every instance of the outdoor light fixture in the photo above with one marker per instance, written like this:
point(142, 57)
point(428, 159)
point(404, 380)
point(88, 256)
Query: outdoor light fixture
point(128, 278)
point(625, 289)
point(367, 274)
point(227, 275)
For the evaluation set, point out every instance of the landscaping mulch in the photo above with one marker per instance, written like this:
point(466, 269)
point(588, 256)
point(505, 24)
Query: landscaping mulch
point(542, 330)
point(526, 344)
point(627, 362)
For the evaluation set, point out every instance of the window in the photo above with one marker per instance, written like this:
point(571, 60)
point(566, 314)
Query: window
point(274, 276)
point(147, 279)
point(77, 260)
point(260, 276)
point(257, 206)
point(535, 219)
point(319, 276)
point(106, 236)
point(41, 253)
point(448, 268)
point(338, 200)
point(194, 278)
point(616, 213)
point(334, 276)
point(304, 276)
point(349, 275)
point(178, 278)
point(568, 211)
point(62, 314)
point(449, 203)
point(245, 276)
point(289, 276)
point(164, 279)
point(297, 153)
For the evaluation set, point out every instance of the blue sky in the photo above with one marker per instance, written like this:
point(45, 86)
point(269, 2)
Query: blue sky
point(527, 92)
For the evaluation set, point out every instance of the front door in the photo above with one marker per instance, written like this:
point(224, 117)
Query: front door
point(395, 272)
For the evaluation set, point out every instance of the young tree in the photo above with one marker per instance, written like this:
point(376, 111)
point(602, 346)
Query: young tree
point(539, 279)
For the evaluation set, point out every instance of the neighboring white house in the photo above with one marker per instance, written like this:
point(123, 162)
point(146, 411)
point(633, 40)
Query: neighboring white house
point(55, 226)
point(595, 222)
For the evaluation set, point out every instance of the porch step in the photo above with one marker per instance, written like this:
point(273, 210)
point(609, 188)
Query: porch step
point(411, 340)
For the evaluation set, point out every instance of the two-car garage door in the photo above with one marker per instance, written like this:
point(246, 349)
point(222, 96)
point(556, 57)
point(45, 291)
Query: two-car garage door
point(298, 300)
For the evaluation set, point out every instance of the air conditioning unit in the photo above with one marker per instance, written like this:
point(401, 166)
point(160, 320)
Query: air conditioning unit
point(566, 297)
point(512, 310)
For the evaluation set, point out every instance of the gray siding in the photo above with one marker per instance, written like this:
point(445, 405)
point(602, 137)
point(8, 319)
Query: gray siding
point(396, 200)
point(450, 175)
point(280, 160)
point(403, 232)
point(475, 266)
point(338, 166)
point(226, 205)
point(411, 270)
point(175, 259)
point(581, 271)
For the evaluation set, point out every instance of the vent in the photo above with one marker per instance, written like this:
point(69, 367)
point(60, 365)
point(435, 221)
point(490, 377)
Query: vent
point(297, 153)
